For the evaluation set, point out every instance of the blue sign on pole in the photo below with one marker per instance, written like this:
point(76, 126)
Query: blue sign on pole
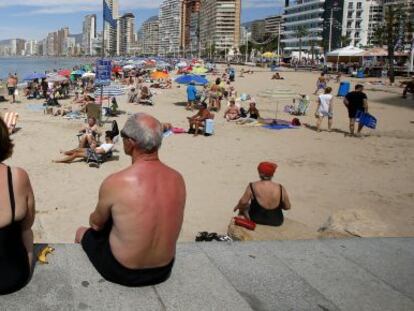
point(103, 72)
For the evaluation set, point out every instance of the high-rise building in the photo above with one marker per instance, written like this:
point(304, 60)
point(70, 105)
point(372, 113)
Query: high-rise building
point(273, 25)
point(126, 34)
point(111, 33)
point(220, 24)
point(149, 35)
point(190, 30)
point(407, 8)
point(12, 47)
point(31, 48)
point(170, 27)
point(258, 30)
point(322, 20)
point(360, 18)
point(89, 34)
point(62, 36)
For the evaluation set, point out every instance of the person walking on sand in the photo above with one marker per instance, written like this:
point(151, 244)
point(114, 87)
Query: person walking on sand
point(135, 226)
point(12, 86)
point(320, 83)
point(324, 109)
point(356, 101)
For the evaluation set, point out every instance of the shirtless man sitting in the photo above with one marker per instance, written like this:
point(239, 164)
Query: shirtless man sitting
point(89, 133)
point(135, 226)
point(197, 120)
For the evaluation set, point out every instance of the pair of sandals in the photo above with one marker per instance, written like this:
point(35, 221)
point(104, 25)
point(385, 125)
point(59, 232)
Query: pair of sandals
point(204, 236)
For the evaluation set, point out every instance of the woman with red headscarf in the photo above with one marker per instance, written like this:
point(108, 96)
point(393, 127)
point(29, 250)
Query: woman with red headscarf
point(264, 200)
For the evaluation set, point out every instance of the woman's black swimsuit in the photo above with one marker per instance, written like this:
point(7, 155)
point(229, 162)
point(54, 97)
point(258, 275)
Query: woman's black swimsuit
point(96, 246)
point(14, 262)
point(262, 216)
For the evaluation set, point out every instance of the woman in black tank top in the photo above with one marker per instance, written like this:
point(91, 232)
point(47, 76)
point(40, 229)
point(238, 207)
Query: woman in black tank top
point(251, 208)
point(14, 259)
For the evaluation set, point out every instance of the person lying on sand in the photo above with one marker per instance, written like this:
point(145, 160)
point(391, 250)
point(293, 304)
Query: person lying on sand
point(132, 95)
point(198, 119)
point(276, 76)
point(93, 151)
point(264, 200)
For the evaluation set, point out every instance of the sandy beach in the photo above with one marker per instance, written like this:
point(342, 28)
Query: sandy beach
point(364, 184)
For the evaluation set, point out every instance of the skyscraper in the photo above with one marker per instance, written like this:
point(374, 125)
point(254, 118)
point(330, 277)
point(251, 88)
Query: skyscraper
point(190, 26)
point(126, 34)
point(149, 36)
point(220, 24)
point(111, 33)
point(170, 27)
point(89, 34)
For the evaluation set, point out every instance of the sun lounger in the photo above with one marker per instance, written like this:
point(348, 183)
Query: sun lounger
point(10, 118)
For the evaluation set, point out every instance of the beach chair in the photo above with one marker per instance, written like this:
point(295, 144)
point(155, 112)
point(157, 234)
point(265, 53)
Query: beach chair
point(303, 107)
point(10, 118)
point(94, 110)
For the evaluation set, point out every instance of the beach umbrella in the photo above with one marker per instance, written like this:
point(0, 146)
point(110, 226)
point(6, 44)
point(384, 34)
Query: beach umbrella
point(77, 73)
point(55, 78)
point(88, 75)
point(34, 76)
point(64, 72)
point(157, 75)
point(116, 69)
point(187, 79)
point(110, 90)
point(269, 55)
point(182, 65)
point(128, 67)
point(199, 70)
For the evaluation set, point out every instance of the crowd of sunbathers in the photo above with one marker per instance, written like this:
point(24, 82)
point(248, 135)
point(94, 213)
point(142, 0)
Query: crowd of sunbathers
point(135, 226)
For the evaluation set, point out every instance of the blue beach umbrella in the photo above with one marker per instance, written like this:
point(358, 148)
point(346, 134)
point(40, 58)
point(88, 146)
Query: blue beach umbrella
point(34, 76)
point(187, 79)
point(77, 72)
point(110, 90)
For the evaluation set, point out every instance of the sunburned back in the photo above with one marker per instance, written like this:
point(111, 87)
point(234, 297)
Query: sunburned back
point(147, 215)
point(267, 194)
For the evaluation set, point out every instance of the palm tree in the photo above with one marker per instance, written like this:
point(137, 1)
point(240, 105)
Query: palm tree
point(345, 41)
point(301, 32)
point(378, 37)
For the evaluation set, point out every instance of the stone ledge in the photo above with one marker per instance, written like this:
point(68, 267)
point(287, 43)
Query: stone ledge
point(350, 274)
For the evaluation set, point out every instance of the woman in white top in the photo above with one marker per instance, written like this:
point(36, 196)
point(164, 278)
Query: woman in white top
point(93, 151)
point(324, 109)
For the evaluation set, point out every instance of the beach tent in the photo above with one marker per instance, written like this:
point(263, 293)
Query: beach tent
point(345, 55)
point(187, 79)
point(34, 76)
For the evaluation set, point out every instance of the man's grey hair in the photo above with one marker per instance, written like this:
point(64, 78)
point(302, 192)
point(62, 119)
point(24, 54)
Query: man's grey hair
point(147, 139)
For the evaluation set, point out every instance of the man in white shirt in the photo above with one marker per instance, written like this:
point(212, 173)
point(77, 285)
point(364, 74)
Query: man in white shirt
point(324, 109)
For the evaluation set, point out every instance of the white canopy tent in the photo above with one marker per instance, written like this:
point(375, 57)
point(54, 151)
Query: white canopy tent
point(347, 51)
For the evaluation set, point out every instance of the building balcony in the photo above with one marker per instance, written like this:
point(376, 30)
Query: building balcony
point(319, 10)
point(302, 5)
point(292, 32)
point(304, 22)
point(304, 40)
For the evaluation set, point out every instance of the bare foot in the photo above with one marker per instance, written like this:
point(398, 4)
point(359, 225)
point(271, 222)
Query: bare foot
point(80, 233)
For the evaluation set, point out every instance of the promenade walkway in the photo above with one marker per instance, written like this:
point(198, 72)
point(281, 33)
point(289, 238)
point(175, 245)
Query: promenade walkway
point(352, 274)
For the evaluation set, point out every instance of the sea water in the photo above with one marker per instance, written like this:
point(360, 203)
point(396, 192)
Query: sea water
point(26, 65)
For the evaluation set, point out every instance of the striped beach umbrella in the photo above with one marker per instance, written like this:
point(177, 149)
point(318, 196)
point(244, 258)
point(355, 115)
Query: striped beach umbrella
point(110, 90)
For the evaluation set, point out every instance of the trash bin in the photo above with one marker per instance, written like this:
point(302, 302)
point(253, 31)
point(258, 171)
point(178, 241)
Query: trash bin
point(344, 88)
point(360, 74)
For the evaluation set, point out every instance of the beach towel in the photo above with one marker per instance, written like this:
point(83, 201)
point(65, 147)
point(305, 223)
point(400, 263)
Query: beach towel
point(10, 118)
point(278, 126)
point(177, 130)
point(34, 107)
point(366, 119)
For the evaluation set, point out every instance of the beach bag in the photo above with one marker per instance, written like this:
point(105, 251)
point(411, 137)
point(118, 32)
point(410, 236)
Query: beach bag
point(245, 223)
point(16, 92)
point(366, 119)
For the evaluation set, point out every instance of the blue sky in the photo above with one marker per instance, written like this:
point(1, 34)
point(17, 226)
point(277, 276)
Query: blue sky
point(33, 19)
